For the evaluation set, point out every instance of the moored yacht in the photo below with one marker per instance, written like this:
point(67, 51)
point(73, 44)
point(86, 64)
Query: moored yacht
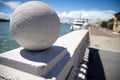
point(78, 24)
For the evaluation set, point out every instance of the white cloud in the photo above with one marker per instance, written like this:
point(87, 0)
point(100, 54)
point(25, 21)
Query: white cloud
point(4, 16)
point(12, 4)
point(92, 15)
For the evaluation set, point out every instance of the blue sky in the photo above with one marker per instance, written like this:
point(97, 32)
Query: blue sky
point(68, 5)
point(67, 8)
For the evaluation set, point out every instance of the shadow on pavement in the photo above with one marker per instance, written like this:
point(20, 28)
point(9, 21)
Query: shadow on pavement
point(95, 66)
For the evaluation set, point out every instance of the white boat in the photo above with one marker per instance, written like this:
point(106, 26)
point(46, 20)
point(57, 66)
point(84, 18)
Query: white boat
point(78, 24)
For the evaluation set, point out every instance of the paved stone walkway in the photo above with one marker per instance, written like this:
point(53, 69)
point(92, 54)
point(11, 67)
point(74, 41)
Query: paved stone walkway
point(103, 32)
point(104, 58)
point(105, 43)
point(104, 39)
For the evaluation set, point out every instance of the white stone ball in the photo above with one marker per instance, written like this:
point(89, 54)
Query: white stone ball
point(35, 25)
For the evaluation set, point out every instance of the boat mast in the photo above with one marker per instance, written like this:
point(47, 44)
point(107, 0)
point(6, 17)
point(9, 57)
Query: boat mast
point(80, 15)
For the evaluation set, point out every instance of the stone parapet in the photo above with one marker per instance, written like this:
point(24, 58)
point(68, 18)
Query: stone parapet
point(55, 62)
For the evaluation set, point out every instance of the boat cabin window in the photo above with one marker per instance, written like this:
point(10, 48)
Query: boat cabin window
point(81, 21)
point(78, 24)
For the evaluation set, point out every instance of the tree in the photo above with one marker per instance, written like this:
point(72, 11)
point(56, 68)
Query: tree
point(110, 26)
point(118, 17)
point(104, 24)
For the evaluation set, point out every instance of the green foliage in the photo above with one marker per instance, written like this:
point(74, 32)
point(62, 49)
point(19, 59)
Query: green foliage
point(4, 20)
point(104, 24)
point(118, 17)
point(111, 20)
point(110, 26)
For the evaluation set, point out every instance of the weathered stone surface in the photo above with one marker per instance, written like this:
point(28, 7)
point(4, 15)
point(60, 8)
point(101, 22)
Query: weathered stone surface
point(35, 25)
point(38, 63)
point(54, 63)
point(8, 73)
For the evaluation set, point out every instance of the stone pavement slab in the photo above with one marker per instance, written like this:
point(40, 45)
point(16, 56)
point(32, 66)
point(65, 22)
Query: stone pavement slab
point(105, 43)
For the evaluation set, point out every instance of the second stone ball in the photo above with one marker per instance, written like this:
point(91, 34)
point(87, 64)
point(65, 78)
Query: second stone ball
point(35, 25)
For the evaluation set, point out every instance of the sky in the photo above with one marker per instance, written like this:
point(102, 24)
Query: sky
point(93, 10)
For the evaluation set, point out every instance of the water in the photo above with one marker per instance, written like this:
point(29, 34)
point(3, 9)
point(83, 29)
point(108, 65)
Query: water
point(7, 42)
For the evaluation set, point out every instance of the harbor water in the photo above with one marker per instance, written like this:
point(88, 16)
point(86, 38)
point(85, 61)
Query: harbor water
point(7, 42)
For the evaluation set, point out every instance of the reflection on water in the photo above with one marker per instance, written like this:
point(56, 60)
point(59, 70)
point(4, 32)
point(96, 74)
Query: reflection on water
point(7, 42)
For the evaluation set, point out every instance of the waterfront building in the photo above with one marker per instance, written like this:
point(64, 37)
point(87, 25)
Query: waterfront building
point(116, 26)
point(98, 24)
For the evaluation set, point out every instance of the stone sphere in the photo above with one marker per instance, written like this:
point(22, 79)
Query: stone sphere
point(35, 25)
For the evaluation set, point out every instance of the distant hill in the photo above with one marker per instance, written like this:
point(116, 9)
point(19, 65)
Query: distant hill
point(4, 20)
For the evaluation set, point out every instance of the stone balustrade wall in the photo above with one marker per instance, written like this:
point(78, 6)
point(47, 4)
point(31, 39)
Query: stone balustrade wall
point(54, 63)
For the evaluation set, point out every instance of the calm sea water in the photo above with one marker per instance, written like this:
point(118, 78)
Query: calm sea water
point(7, 42)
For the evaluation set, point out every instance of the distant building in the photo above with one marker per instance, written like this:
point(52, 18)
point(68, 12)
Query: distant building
point(98, 24)
point(116, 26)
